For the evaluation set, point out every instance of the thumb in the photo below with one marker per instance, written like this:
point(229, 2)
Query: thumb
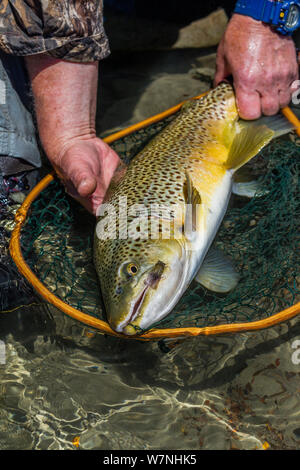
point(87, 185)
point(83, 179)
point(79, 173)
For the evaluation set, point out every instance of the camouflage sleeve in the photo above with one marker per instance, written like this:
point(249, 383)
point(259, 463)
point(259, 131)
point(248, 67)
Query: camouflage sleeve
point(66, 29)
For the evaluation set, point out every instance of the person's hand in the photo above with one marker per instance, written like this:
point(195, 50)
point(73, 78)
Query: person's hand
point(65, 97)
point(263, 65)
point(86, 168)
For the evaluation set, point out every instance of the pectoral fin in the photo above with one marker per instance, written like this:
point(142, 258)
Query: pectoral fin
point(217, 273)
point(245, 184)
point(249, 189)
point(192, 214)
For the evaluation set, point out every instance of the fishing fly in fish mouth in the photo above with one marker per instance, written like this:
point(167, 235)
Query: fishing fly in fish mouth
point(192, 164)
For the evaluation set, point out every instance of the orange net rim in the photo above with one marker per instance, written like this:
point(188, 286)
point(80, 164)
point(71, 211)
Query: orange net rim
point(156, 333)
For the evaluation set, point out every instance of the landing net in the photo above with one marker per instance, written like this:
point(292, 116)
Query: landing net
point(53, 239)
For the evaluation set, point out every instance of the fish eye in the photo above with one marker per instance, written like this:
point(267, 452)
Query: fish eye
point(132, 269)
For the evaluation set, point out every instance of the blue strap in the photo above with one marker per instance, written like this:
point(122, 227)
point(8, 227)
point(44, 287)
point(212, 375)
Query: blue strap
point(261, 10)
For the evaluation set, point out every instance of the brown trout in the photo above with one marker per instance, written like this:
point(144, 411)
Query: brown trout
point(189, 166)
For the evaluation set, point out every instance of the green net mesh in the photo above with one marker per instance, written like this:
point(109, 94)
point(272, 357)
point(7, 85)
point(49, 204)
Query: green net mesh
point(260, 235)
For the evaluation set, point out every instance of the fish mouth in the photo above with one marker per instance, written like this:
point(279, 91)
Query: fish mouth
point(172, 293)
point(151, 282)
point(126, 326)
point(137, 305)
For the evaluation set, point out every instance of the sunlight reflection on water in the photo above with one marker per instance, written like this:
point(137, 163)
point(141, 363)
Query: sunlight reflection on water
point(225, 392)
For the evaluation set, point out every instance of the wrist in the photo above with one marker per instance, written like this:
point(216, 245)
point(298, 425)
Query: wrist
point(242, 21)
point(243, 24)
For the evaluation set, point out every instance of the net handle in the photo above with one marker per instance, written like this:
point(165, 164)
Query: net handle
point(16, 254)
point(288, 113)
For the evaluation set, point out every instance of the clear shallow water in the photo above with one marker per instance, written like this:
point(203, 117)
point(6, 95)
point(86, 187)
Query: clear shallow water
point(61, 381)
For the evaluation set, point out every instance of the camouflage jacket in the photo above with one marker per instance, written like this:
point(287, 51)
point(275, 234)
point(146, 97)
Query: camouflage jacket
point(65, 29)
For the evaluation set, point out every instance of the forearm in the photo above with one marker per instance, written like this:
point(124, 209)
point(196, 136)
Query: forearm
point(65, 96)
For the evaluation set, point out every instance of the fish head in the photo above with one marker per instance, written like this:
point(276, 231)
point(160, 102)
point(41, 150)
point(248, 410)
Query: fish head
point(143, 283)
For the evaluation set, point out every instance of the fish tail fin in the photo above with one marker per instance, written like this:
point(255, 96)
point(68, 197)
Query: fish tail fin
point(279, 124)
point(252, 136)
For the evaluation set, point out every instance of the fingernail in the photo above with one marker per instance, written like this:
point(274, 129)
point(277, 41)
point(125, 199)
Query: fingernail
point(82, 183)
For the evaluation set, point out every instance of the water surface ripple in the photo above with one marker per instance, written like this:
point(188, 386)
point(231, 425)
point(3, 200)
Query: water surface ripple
point(60, 381)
